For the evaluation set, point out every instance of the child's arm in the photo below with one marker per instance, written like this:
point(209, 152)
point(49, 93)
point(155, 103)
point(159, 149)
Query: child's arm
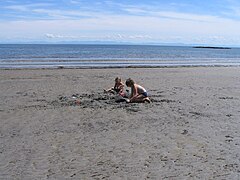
point(134, 92)
point(121, 87)
point(108, 90)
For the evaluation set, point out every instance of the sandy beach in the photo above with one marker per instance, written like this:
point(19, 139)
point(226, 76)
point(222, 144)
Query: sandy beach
point(58, 124)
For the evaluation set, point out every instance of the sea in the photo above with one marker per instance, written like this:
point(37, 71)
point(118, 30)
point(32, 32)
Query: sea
point(112, 56)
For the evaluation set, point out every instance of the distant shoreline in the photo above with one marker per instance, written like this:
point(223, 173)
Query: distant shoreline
point(211, 47)
point(120, 67)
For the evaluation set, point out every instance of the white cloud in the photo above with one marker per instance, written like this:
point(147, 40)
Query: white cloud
point(75, 1)
point(127, 23)
point(61, 14)
point(140, 37)
point(120, 37)
point(27, 7)
point(232, 9)
point(49, 12)
point(158, 13)
point(140, 25)
point(134, 10)
point(137, 10)
point(53, 36)
point(17, 8)
point(235, 10)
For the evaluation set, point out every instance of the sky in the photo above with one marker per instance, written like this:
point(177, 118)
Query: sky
point(207, 22)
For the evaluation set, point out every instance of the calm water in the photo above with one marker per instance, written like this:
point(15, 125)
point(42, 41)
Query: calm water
point(53, 56)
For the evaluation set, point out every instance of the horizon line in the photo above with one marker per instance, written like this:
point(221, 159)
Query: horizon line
point(117, 43)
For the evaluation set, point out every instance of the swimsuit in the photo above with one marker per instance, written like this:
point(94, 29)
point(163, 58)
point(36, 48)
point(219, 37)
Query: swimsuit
point(117, 90)
point(141, 90)
point(145, 94)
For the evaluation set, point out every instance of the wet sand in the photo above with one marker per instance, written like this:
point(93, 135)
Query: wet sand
point(58, 124)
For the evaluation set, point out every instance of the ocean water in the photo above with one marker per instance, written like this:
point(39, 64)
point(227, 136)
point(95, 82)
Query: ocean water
point(92, 56)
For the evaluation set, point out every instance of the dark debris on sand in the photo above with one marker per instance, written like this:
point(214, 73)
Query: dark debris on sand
point(93, 100)
point(96, 101)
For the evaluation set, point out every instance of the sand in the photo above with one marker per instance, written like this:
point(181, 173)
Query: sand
point(58, 124)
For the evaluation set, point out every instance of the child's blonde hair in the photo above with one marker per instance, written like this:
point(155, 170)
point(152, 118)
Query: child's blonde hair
point(118, 79)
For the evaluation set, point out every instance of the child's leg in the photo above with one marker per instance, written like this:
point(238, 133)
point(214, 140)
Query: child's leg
point(138, 99)
point(146, 99)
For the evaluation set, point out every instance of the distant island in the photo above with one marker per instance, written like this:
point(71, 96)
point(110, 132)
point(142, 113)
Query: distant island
point(211, 47)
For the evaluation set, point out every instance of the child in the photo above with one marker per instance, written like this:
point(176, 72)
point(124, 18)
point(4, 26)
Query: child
point(138, 93)
point(118, 87)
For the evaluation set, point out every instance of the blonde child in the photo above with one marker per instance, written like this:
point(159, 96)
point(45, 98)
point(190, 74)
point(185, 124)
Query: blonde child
point(118, 87)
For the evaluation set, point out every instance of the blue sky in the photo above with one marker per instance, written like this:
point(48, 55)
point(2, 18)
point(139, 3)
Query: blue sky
point(210, 22)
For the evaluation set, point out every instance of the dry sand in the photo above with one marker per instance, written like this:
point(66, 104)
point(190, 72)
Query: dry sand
point(190, 131)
